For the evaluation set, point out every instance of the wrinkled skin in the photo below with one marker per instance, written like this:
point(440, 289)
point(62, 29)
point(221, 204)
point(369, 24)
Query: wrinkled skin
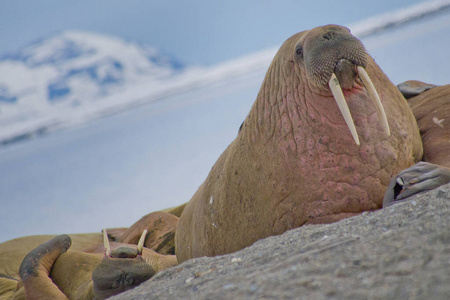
point(85, 272)
point(294, 161)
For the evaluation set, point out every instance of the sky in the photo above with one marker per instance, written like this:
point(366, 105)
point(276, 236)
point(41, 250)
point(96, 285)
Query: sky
point(201, 32)
point(112, 171)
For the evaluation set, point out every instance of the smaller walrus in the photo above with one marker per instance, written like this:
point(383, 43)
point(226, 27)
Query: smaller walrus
point(431, 108)
point(326, 134)
point(50, 271)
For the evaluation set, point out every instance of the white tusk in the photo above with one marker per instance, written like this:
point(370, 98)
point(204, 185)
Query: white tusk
point(376, 99)
point(140, 246)
point(343, 107)
point(106, 243)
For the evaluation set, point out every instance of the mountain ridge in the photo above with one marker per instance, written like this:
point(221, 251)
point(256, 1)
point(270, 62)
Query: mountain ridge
point(42, 91)
point(43, 82)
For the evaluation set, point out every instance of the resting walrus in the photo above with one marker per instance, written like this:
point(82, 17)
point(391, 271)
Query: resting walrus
point(92, 268)
point(300, 157)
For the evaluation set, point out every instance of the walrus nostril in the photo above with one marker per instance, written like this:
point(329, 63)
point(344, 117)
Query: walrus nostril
point(329, 35)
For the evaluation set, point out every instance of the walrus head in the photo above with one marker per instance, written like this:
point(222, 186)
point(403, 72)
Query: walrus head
point(121, 269)
point(334, 58)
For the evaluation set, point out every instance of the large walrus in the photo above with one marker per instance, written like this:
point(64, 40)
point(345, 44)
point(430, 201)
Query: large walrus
point(326, 134)
point(323, 141)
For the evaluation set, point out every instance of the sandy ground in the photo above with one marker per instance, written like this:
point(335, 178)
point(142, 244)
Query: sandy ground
point(401, 252)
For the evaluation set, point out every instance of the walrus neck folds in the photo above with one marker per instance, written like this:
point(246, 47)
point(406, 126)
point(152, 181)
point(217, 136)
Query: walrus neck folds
point(276, 89)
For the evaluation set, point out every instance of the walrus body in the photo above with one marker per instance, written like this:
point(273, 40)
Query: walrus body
point(294, 161)
point(432, 111)
point(431, 107)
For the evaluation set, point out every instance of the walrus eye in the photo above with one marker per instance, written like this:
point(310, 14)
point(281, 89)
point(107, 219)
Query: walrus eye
point(299, 51)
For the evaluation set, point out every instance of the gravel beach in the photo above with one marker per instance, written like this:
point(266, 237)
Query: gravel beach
point(400, 252)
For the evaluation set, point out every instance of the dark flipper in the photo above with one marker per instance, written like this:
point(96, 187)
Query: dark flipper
point(413, 88)
point(35, 269)
point(419, 178)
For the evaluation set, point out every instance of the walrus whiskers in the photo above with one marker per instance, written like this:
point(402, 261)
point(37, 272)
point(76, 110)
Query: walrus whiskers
point(106, 243)
point(343, 107)
point(140, 246)
point(375, 97)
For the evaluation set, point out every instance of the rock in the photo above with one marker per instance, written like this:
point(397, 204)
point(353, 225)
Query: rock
point(401, 252)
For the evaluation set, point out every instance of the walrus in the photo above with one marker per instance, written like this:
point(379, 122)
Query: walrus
point(430, 105)
point(94, 267)
point(323, 141)
point(50, 271)
point(326, 134)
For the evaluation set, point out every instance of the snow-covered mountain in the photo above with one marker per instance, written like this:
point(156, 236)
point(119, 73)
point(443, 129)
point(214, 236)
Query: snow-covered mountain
point(78, 76)
point(72, 74)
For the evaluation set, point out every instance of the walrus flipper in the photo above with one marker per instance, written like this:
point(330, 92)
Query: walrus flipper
point(35, 269)
point(412, 88)
point(419, 178)
point(102, 272)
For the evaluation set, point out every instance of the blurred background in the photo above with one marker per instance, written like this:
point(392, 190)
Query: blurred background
point(112, 109)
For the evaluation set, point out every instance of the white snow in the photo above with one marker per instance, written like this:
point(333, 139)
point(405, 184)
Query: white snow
point(395, 18)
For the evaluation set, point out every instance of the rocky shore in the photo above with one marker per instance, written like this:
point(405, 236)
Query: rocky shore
point(400, 252)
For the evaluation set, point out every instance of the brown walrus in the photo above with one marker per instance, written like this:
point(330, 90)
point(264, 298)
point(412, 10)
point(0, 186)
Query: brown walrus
point(432, 111)
point(431, 107)
point(304, 155)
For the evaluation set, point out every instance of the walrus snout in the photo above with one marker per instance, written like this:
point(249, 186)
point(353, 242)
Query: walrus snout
point(336, 59)
point(324, 47)
point(346, 73)
point(121, 269)
point(336, 90)
point(116, 275)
